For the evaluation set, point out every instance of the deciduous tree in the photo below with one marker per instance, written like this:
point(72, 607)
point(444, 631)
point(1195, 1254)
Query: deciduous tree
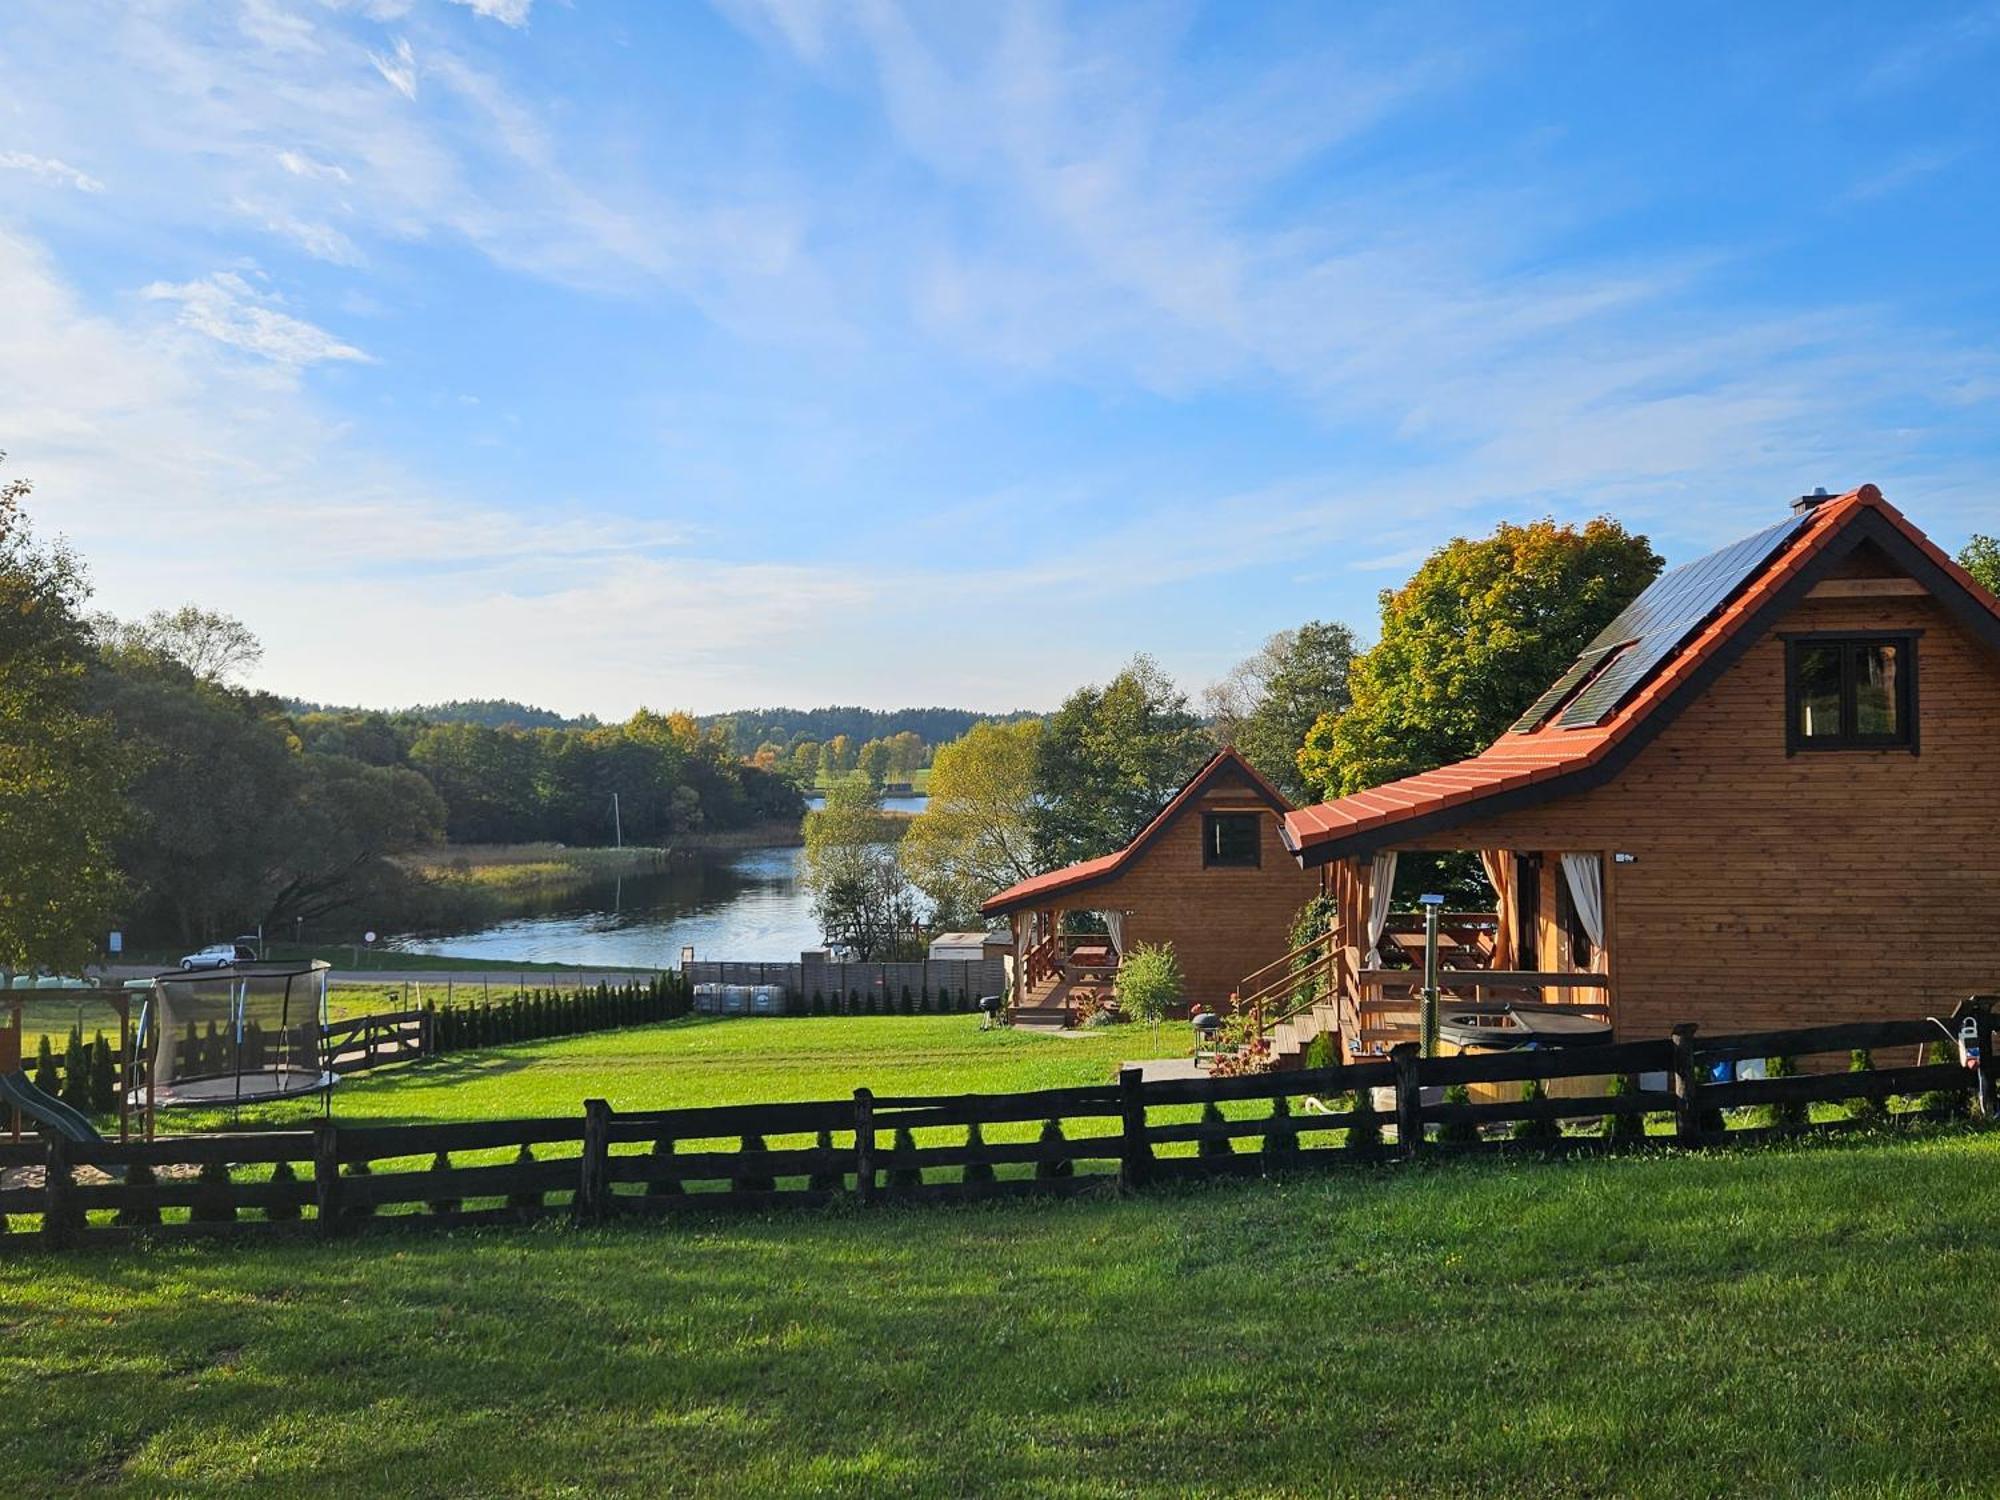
point(60, 772)
point(974, 837)
point(1108, 760)
point(1981, 558)
point(1268, 704)
point(1469, 642)
point(860, 894)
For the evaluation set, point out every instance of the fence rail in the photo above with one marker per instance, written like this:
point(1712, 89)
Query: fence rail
point(335, 1178)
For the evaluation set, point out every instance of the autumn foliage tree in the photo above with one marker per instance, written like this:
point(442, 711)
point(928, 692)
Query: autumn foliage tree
point(1470, 642)
point(1981, 558)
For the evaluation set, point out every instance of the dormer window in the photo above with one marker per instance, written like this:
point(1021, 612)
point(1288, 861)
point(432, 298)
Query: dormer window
point(1851, 692)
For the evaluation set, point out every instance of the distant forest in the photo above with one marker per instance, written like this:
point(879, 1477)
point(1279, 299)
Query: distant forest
point(787, 727)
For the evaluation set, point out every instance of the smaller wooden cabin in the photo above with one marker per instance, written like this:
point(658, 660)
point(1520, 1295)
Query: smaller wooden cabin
point(1766, 796)
point(1210, 875)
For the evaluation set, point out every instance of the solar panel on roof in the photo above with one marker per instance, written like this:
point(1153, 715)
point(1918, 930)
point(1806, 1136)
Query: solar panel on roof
point(1665, 615)
point(1539, 711)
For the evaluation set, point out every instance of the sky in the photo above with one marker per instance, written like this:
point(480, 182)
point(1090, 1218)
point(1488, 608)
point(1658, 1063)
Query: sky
point(622, 352)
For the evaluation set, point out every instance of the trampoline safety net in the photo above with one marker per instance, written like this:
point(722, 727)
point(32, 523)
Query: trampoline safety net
point(235, 1035)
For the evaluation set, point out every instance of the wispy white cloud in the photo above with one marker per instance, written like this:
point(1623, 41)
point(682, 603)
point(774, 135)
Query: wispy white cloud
point(228, 308)
point(301, 165)
point(507, 12)
point(399, 68)
point(49, 169)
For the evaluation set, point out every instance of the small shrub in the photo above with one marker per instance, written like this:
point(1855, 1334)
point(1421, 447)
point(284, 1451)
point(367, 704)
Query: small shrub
point(48, 1078)
point(1540, 1132)
point(358, 1210)
point(1052, 1135)
point(819, 1002)
point(442, 1204)
point(1150, 982)
point(1458, 1132)
point(76, 1073)
point(978, 1169)
point(1624, 1127)
point(103, 1078)
point(1868, 1107)
point(1319, 1051)
point(909, 1002)
point(524, 1198)
point(138, 1215)
point(287, 1210)
point(754, 1180)
point(214, 1203)
point(1787, 1114)
point(827, 1176)
point(905, 1178)
point(1281, 1136)
point(1950, 1103)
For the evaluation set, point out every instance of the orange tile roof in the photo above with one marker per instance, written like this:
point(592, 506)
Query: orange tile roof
point(1552, 752)
point(1036, 888)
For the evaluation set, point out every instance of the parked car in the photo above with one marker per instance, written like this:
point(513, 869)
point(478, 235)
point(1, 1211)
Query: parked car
point(218, 956)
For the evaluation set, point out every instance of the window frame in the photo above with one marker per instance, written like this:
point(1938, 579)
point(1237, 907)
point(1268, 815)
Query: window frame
point(1905, 641)
point(1211, 860)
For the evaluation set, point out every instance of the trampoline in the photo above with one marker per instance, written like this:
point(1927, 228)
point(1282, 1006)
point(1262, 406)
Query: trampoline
point(246, 1034)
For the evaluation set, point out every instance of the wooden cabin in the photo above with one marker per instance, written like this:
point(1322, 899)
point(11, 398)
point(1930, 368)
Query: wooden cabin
point(1767, 795)
point(1210, 874)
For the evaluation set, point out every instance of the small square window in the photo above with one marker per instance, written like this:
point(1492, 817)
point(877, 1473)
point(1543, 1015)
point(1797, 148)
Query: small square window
point(1232, 839)
point(1851, 693)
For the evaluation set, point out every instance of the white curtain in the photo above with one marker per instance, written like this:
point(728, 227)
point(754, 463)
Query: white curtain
point(1114, 925)
point(1381, 886)
point(1585, 874)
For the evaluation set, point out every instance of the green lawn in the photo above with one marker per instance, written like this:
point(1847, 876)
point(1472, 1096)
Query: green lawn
point(698, 1061)
point(1784, 1321)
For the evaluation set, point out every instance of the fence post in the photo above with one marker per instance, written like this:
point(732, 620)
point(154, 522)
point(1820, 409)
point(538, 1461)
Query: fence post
point(59, 1219)
point(592, 1199)
point(1409, 1097)
point(864, 1145)
point(427, 1030)
point(1985, 1081)
point(326, 1176)
point(1687, 1086)
point(1135, 1158)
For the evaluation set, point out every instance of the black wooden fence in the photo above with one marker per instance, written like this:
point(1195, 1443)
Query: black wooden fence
point(609, 1163)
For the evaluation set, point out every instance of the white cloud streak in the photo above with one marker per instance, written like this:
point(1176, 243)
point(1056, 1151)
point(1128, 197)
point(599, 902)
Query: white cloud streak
point(229, 309)
point(49, 169)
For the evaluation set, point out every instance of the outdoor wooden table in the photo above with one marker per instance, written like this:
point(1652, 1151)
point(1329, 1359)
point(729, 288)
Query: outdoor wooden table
point(1092, 956)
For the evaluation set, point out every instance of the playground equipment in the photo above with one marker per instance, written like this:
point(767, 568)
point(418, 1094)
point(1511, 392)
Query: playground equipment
point(243, 1034)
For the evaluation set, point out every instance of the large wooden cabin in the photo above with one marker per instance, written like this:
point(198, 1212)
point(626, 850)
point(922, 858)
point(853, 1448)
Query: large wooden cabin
point(1768, 795)
point(1209, 874)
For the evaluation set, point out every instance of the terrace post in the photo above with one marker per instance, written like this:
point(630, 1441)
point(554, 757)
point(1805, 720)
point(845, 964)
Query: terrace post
point(864, 1145)
point(1409, 1097)
point(326, 1177)
point(592, 1195)
point(59, 1219)
point(1135, 1160)
point(1687, 1085)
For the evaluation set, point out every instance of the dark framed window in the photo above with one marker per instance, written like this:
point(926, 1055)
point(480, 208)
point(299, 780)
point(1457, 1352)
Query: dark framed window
point(1232, 839)
point(1851, 692)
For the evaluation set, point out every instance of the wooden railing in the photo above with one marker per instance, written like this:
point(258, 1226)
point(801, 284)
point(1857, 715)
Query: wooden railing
point(337, 1178)
point(1384, 1006)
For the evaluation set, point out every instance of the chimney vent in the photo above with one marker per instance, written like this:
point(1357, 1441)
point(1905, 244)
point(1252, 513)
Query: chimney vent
point(1804, 503)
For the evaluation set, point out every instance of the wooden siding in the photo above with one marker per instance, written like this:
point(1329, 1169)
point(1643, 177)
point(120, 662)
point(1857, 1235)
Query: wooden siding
point(1223, 922)
point(1774, 891)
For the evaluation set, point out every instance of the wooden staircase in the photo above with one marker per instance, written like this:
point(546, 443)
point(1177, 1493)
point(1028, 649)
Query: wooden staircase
point(1292, 1001)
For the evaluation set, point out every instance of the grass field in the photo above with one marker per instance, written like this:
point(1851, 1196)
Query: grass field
point(699, 1061)
point(1783, 1321)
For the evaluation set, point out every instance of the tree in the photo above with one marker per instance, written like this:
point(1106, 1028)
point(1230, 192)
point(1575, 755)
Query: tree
point(836, 756)
point(1268, 703)
point(872, 761)
point(805, 762)
point(1981, 558)
point(1469, 642)
point(974, 837)
point(213, 646)
point(1108, 760)
point(60, 770)
point(860, 895)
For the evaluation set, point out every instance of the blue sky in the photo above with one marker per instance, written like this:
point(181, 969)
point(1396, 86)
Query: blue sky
point(607, 353)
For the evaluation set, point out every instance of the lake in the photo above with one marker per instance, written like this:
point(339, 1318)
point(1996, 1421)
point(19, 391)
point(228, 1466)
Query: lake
point(748, 904)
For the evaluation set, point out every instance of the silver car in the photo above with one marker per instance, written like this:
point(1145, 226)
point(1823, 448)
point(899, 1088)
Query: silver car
point(217, 956)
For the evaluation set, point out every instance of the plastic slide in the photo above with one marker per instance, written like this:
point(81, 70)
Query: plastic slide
point(18, 1091)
